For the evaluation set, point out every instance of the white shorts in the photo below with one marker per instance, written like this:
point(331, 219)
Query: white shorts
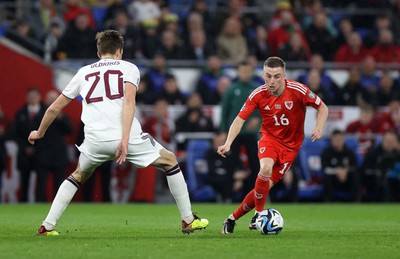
point(141, 154)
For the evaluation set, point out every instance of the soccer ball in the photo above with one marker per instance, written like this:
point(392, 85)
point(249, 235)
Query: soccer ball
point(269, 222)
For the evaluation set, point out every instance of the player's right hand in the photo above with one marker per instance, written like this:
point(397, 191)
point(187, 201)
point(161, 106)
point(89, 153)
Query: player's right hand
point(122, 151)
point(222, 150)
point(33, 136)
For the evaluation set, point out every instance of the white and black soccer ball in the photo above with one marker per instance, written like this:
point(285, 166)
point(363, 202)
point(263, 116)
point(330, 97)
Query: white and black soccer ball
point(269, 222)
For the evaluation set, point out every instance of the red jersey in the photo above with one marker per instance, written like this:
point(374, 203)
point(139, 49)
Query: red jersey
point(282, 116)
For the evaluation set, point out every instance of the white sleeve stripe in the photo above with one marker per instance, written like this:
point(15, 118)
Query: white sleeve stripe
point(318, 101)
point(296, 88)
point(292, 83)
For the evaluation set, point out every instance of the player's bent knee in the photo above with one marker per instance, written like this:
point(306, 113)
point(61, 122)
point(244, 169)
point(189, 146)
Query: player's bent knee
point(81, 176)
point(266, 171)
point(167, 160)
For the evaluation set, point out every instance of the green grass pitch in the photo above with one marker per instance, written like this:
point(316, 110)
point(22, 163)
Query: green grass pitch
point(153, 231)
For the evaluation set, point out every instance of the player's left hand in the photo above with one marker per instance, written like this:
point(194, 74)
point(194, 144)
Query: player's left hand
point(33, 136)
point(122, 151)
point(316, 134)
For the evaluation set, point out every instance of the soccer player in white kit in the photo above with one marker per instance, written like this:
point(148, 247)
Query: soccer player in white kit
point(108, 88)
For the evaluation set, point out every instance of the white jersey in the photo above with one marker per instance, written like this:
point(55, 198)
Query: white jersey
point(101, 86)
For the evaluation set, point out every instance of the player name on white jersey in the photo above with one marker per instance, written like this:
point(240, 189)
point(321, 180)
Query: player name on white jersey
point(103, 64)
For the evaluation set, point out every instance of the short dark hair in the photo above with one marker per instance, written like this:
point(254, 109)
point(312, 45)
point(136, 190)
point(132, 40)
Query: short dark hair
point(275, 62)
point(109, 41)
point(243, 63)
point(337, 132)
point(33, 89)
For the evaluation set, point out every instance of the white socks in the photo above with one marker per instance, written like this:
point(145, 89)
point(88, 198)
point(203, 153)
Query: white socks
point(178, 189)
point(64, 195)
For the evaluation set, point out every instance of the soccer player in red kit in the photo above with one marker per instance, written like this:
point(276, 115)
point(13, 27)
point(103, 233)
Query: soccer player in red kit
point(282, 104)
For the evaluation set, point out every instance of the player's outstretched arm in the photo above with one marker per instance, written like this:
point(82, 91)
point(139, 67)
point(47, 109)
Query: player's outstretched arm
point(50, 115)
point(128, 113)
point(234, 130)
point(322, 116)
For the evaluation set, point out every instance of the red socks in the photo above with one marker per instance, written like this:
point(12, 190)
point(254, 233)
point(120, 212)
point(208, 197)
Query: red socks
point(261, 192)
point(255, 198)
point(246, 206)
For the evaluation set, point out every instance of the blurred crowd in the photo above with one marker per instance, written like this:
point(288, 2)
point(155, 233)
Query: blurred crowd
point(232, 29)
point(221, 38)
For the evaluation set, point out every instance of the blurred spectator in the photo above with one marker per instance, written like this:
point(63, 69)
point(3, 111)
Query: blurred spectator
point(21, 33)
point(27, 119)
point(159, 124)
point(378, 163)
point(52, 39)
point(365, 126)
point(207, 85)
point(112, 9)
point(314, 83)
point(311, 10)
point(77, 42)
point(121, 23)
point(352, 93)
point(199, 48)
point(256, 78)
point(143, 94)
point(395, 22)
point(231, 44)
point(194, 120)
point(319, 38)
point(3, 150)
point(340, 167)
point(286, 189)
point(233, 10)
point(171, 91)
point(51, 152)
point(382, 22)
point(280, 6)
point(170, 45)
point(345, 29)
point(149, 42)
point(232, 101)
point(293, 50)
point(367, 20)
point(369, 76)
point(170, 22)
point(386, 50)
point(353, 50)
point(194, 22)
point(156, 75)
point(221, 171)
point(259, 46)
point(279, 36)
point(40, 17)
point(142, 10)
point(387, 90)
point(74, 8)
point(208, 22)
point(390, 120)
point(317, 62)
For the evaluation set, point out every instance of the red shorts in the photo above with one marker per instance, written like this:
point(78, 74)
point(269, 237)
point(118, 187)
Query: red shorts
point(282, 156)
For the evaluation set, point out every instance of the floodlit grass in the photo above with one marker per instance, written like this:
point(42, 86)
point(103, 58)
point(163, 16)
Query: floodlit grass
point(153, 231)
